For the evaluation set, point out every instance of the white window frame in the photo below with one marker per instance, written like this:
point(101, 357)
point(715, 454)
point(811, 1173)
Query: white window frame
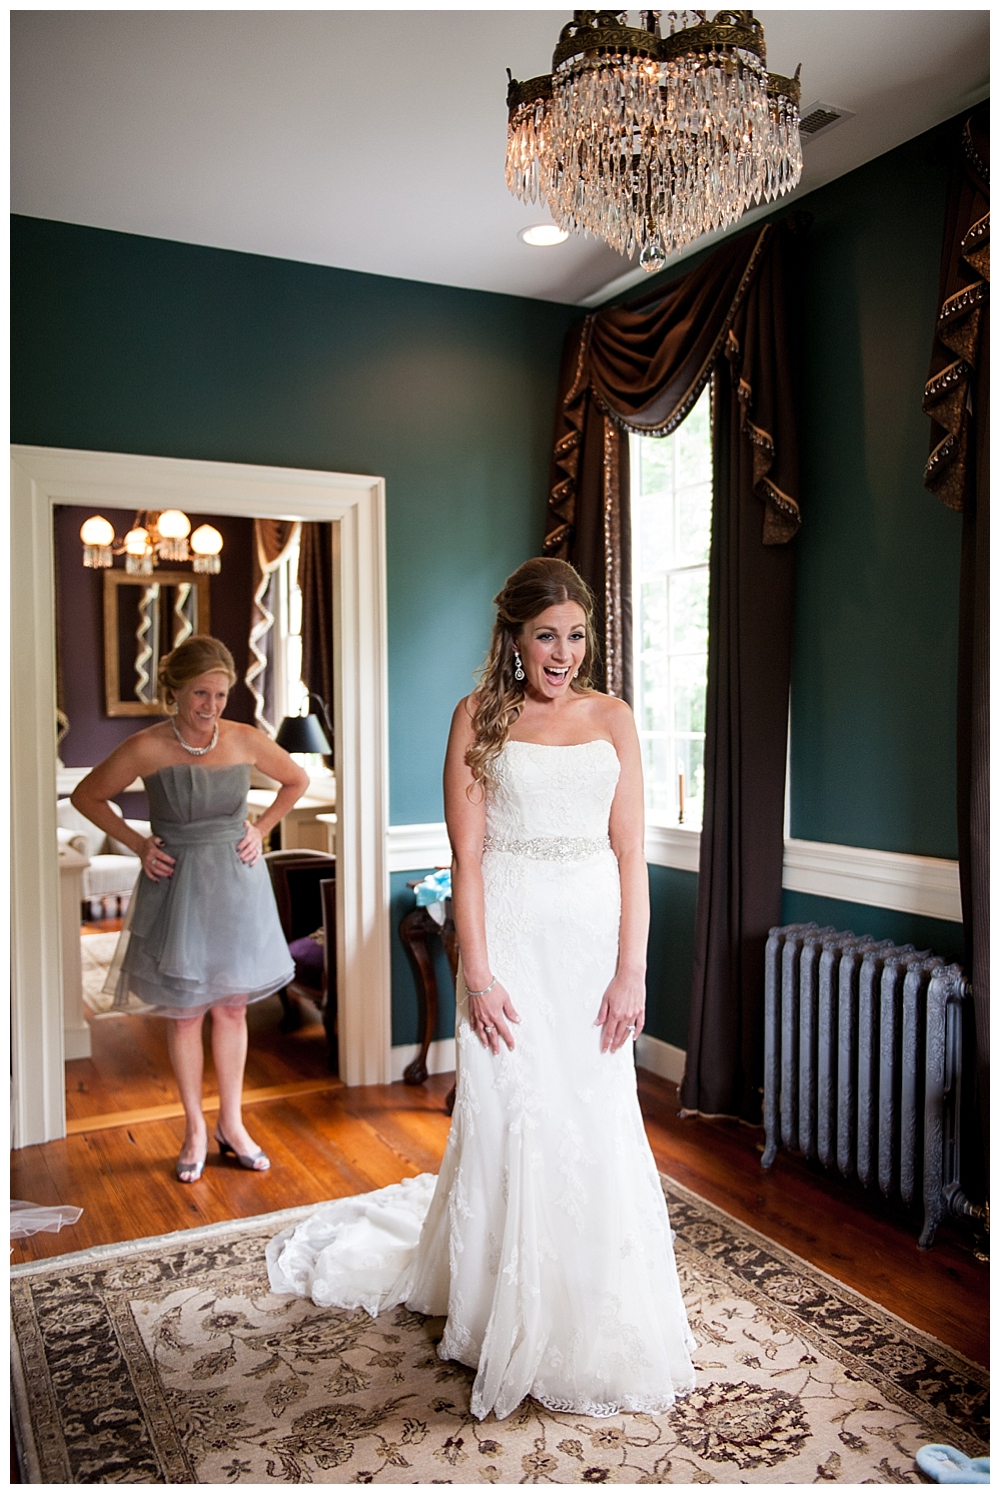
point(668, 843)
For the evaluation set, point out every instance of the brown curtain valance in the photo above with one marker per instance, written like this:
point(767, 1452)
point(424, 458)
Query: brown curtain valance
point(645, 364)
point(641, 367)
point(957, 399)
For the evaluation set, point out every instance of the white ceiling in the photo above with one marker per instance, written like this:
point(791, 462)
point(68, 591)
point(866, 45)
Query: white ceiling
point(374, 140)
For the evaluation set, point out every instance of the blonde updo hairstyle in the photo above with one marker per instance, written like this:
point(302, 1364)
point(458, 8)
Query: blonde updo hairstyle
point(531, 590)
point(199, 654)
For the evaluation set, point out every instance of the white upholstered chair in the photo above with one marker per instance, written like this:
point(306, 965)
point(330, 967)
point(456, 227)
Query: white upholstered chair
point(113, 867)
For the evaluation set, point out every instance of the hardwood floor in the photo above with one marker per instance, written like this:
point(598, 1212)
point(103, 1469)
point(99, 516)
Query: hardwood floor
point(328, 1141)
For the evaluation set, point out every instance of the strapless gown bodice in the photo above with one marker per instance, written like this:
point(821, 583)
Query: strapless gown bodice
point(555, 793)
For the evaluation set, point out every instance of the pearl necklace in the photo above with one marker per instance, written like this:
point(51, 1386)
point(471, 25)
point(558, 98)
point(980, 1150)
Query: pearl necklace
point(195, 751)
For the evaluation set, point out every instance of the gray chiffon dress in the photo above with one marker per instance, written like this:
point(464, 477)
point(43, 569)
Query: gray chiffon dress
point(209, 935)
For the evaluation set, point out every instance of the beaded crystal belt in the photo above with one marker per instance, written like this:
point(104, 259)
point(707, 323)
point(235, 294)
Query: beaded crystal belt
point(550, 847)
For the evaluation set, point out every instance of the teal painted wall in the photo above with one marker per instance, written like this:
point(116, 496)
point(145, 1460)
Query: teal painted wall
point(123, 343)
point(937, 934)
point(672, 898)
point(876, 627)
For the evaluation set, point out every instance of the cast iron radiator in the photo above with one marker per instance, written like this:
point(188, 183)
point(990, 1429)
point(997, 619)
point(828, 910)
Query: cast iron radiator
point(863, 1044)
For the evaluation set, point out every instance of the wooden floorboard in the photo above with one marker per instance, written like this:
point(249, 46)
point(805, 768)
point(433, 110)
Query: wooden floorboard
point(327, 1141)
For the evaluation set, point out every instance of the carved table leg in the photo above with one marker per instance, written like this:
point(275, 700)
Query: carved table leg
point(413, 931)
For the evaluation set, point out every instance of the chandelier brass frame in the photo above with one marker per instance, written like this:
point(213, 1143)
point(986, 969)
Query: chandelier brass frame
point(649, 141)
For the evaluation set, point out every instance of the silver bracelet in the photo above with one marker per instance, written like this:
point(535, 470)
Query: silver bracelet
point(485, 991)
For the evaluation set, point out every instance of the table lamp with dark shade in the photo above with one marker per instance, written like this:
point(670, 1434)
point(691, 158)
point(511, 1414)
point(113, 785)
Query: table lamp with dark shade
point(303, 734)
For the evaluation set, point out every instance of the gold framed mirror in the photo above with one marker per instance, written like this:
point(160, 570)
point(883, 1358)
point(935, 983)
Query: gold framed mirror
point(144, 618)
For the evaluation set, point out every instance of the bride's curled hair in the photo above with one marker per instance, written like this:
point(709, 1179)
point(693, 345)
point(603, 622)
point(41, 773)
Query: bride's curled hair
point(531, 590)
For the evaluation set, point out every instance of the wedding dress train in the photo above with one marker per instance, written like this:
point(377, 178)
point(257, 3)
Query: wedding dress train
point(545, 1239)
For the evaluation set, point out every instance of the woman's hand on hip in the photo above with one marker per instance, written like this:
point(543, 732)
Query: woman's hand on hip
point(489, 1017)
point(622, 1013)
point(156, 862)
point(251, 847)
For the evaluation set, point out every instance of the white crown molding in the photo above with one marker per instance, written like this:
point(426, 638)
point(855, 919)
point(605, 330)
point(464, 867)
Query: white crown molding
point(355, 506)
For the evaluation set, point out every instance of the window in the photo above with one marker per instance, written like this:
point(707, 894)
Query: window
point(671, 532)
point(285, 600)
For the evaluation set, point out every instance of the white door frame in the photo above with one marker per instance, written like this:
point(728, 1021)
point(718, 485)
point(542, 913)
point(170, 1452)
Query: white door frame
point(42, 477)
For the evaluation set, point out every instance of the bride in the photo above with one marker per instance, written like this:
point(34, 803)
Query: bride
point(545, 1239)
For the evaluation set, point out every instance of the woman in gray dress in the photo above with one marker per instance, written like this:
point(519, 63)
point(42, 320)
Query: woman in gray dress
point(202, 931)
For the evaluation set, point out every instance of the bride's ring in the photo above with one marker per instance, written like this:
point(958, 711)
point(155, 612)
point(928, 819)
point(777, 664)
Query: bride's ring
point(630, 1029)
point(488, 1027)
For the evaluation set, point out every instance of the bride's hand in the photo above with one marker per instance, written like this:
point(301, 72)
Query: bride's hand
point(622, 1013)
point(489, 1016)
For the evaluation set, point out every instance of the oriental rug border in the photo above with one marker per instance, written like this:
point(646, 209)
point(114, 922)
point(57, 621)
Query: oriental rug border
point(166, 1360)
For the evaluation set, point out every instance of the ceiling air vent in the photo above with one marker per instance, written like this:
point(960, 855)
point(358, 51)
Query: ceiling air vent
point(819, 118)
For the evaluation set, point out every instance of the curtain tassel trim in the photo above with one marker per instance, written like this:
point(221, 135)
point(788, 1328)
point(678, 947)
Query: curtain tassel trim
point(782, 515)
point(948, 394)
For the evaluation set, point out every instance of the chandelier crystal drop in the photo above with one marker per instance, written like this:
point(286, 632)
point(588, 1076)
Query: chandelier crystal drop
point(649, 141)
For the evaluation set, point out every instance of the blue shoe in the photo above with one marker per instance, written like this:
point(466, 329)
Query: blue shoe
point(946, 1465)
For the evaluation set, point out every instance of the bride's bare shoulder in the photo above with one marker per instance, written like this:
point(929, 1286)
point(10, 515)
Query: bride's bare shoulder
point(463, 717)
point(608, 710)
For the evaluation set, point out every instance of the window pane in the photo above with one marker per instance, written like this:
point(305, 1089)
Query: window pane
point(652, 517)
point(657, 765)
point(694, 523)
point(691, 761)
point(693, 444)
point(655, 466)
point(671, 532)
point(688, 679)
point(689, 611)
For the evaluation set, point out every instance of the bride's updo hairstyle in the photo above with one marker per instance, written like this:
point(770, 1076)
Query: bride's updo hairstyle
point(197, 655)
point(531, 590)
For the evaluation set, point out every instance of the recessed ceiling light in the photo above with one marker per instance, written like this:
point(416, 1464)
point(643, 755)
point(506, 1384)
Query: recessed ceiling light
point(543, 234)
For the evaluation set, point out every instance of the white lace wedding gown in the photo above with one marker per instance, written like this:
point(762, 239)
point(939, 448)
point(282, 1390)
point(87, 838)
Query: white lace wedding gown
point(545, 1238)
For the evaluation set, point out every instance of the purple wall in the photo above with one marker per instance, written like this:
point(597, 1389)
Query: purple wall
point(92, 734)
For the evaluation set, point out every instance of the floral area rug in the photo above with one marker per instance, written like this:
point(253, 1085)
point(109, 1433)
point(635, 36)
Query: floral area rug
point(169, 1361)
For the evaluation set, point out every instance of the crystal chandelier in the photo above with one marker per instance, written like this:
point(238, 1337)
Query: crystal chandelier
point(650, 141)
point(155, 536)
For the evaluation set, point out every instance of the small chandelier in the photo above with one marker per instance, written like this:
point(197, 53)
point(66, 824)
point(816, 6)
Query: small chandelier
point(155, 536)
point(650, 141)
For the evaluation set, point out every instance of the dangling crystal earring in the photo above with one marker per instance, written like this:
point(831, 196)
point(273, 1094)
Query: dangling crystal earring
point(518, 667)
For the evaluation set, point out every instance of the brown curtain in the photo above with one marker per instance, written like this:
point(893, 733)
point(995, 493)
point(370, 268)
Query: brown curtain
point(316, 585)
point(957, 399)
point(641, 367)
point(271, 541)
